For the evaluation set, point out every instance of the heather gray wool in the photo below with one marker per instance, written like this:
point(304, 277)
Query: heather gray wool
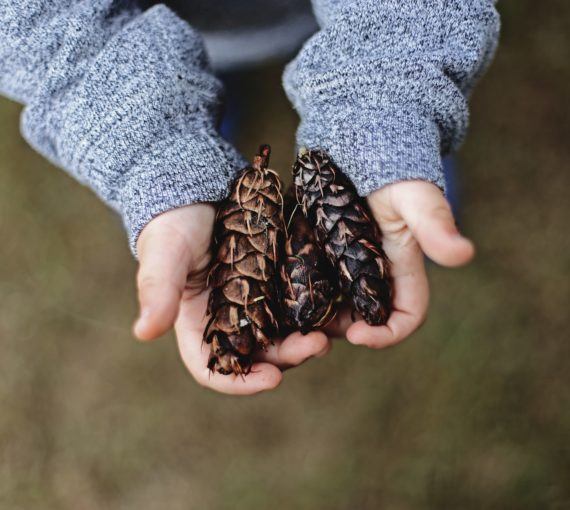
point(123, 98)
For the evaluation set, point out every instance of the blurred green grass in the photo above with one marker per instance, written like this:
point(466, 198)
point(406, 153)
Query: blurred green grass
point(471, 413)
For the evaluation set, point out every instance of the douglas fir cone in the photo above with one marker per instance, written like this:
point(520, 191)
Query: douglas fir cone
point(272, 274)
point(308, 279)
point(346, 232)
point(244, 302)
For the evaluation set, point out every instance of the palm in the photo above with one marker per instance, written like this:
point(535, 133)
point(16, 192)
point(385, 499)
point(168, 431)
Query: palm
point(415, 219)
point(174, 253)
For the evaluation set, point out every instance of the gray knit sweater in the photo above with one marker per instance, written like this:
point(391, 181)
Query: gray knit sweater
point(121, 96)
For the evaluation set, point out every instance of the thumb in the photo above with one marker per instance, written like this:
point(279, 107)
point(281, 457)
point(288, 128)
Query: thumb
point(428, 215)
point(164, 262)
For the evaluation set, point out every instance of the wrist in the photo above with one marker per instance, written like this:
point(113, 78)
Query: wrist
point(179, 172)
point(378, 148)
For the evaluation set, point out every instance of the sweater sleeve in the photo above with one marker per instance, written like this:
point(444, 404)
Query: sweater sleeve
point(119, 97)
point(383, 86)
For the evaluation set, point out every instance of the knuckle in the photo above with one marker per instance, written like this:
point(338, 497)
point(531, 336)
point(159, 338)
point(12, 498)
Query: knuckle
point(147, 286)
point(405, 240)
point(437, 216)
point(146, 280)
point(441, 212)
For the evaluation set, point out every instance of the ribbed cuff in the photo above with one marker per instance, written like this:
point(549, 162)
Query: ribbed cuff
point(378, 147)
point(176, 172)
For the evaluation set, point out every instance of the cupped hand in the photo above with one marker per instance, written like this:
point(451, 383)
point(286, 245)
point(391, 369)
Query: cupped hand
point(174, 255)
point(415, 219)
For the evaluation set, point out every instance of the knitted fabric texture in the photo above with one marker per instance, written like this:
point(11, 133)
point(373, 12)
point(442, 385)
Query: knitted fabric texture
point(383, 86)
point(123, 98)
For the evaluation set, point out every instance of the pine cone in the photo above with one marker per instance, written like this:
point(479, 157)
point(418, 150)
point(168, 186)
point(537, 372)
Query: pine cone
point(308, 287)
point(244, 302)
point(345, 230)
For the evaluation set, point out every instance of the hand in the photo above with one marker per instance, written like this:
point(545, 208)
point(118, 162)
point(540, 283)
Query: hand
point(415, 218)
point(174, 255)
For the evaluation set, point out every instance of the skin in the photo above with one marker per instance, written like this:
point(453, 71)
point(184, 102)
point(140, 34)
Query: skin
point(415, 219)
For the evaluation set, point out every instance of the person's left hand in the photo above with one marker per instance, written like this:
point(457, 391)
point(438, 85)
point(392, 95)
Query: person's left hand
point(174, 255)
point(415, 220)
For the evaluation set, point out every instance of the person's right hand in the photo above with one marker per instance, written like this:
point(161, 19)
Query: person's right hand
point(174, 256)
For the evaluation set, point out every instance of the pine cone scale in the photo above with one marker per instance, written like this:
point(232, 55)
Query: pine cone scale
point(306, 277)
point(244, 300)
point(346, 233)
point(279, 264)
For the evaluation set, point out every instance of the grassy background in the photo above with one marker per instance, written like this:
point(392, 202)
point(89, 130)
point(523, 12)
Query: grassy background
point(471, 413)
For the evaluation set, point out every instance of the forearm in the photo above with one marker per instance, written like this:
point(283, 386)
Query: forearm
point(119, 97)
point(383, 86)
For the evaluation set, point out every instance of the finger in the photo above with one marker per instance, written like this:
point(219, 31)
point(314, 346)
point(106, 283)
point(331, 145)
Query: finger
point(410, 294)
point(164, 263)
point(400, 326)
point(194, 352)
point(429, 217)
point(262, 377)
point(296, 349)
point(410, 304)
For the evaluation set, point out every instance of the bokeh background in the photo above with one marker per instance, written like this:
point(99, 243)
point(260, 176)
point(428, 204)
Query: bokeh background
point(472, 412)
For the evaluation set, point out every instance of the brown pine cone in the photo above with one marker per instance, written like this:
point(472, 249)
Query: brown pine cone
point(244, 302)
point(345, 230)
point(309, 288)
